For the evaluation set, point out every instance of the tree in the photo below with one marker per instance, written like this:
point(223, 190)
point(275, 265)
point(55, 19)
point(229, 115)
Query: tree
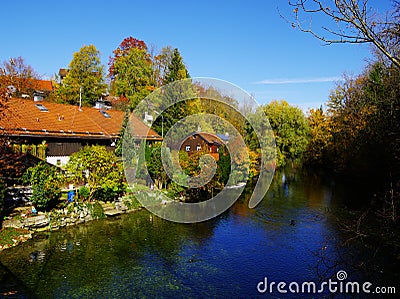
point(10, 163)
point(46, 184)
point(176, 69)
point(17, 77)
point(100, 170)
point(132, 76)
point(84, 78)
point(155, 165)
point(353, 22)
point(291, 131)
point(160, 65)
point(123, 50)
point(320, 138)
point(130, 71)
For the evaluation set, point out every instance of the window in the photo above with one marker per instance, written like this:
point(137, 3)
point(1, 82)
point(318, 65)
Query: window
point(188, 148)
point(105, 114)
point(198, 148)
point(41, 108)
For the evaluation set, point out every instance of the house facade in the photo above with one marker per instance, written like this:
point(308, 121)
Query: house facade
point(66, 129)
point(201, 141)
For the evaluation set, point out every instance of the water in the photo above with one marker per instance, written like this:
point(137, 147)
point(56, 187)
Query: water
point(293, 235)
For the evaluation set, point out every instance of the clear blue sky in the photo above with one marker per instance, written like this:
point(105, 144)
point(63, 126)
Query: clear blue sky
point(243, 42)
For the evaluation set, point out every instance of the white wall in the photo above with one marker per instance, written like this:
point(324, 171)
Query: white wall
point(59, 161)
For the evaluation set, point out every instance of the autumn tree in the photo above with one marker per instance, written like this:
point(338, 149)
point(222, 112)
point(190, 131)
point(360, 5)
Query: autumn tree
point(132, 74)
point(10, 162)
point(130, 71)
point(320, 138)
point(18, 77)
point(358, 136)
point(351, 21)
point(123, 50)
point(85, 78)
point(160, 65)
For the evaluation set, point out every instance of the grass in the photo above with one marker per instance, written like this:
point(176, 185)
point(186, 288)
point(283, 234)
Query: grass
point(10, 236)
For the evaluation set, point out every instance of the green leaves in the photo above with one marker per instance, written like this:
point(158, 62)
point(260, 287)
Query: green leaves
point(85, 76)
point(176, 69)
point(291, 130)
point(46, 184)
point(100, 170)
point(132, 73)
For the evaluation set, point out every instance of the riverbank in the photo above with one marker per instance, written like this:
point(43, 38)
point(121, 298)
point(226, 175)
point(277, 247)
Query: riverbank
point(21, 226)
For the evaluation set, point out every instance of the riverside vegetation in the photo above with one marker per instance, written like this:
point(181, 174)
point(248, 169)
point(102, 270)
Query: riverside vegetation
point(356, 137)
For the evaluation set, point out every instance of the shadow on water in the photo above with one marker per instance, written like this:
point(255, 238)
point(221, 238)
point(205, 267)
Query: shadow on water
point(292, 235)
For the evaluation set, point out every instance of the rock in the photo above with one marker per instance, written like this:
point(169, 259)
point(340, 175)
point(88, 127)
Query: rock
point(111, 213)
point(12, 223)
point(36, 221)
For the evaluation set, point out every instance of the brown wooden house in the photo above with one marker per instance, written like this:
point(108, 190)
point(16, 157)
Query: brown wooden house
point(201, 141)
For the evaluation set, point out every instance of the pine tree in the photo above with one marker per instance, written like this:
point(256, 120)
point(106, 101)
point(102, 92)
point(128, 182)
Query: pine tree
point(176, 69)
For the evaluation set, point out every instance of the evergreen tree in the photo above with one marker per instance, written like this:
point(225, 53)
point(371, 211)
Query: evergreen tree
point(176, 69)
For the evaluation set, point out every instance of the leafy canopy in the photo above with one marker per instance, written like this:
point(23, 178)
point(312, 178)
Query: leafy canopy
point(85, 77)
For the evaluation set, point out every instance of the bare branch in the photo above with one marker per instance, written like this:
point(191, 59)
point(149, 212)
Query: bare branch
point(355, 24)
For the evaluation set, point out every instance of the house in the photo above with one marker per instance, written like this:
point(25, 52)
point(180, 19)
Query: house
point(28, 87)
point(201, 141)
point(66, 128)
point(62, 73)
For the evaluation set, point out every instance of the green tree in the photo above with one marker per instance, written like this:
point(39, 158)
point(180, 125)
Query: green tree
point(130, 71)
point(291, 131)
point(155, 165)
point(46, 182)
point(85, 78)
point(176, 69)
point(133, 73)
point(100, 170)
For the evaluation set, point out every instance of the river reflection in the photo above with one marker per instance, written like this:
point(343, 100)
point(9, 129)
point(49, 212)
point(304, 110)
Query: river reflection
point(290, 236)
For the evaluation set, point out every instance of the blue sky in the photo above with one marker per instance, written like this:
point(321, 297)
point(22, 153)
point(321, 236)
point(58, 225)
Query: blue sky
point(243, 42)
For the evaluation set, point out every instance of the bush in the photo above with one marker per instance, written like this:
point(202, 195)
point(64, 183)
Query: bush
point(46, 184)
point(84, 193)
point(100, 169)
point(96, 210)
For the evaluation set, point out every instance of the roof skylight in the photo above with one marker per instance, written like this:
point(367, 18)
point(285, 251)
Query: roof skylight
point(41, 108)
point(105, 114)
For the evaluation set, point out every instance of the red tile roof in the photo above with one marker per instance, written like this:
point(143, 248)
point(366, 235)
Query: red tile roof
point(43, 85)
point(24, 118)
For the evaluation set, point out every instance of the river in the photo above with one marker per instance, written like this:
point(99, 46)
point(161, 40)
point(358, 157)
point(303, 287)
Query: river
point(293, 236)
